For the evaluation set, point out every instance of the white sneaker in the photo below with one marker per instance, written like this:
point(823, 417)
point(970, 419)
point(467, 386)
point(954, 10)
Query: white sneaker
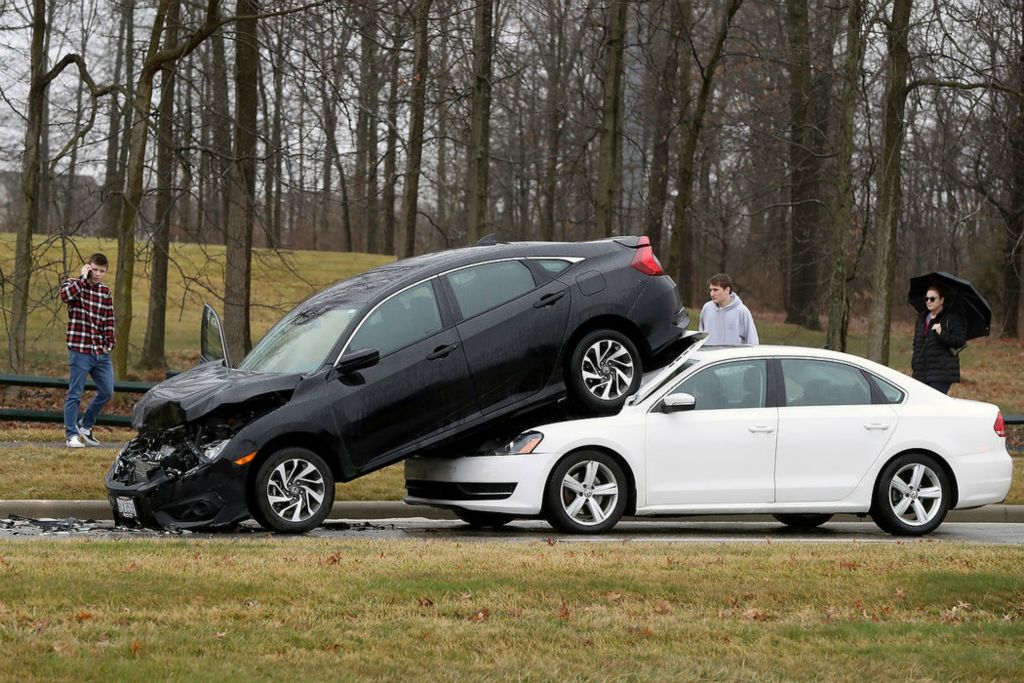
point(87, 436)
point(74, 442)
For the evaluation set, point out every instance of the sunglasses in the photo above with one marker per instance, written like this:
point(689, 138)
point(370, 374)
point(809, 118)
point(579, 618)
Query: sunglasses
point(931, 298)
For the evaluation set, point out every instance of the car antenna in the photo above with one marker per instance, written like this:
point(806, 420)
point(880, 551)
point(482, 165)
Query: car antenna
point(488, 240)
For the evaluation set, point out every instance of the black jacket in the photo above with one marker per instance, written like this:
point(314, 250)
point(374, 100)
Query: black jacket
point(934, 360)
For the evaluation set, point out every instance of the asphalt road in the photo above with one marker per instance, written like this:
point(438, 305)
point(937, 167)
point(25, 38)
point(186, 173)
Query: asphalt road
point(528, 531)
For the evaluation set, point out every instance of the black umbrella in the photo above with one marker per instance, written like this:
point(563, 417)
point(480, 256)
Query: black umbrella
point(961, 298)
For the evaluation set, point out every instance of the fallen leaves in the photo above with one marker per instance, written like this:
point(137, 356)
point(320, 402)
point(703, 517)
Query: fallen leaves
point(955, 614)
point(481, 615)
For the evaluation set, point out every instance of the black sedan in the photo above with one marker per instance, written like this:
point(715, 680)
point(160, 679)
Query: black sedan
point(398, 360)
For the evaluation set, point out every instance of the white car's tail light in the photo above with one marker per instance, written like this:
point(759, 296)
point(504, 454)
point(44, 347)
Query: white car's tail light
point(1000, 425)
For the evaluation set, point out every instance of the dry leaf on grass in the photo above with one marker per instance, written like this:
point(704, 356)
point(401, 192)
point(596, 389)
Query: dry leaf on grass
point(424, 602)
point(563, 611)
point(481, 615)
point(663, 607)
point(640, 630)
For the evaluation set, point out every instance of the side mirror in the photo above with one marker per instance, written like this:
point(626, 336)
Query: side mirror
point(212, 345)
point(674, 403)
point(357, 360)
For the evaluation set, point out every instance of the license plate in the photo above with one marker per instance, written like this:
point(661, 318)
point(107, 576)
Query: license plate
point(126, 507)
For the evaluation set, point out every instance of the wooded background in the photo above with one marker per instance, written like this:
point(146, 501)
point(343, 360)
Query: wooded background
point(820, 152)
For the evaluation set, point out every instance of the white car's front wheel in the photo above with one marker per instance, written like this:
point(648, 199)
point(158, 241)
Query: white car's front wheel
point(586, 494)
point(912, 495)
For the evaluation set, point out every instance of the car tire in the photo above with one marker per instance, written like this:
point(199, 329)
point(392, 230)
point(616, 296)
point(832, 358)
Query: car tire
point(912, 495)
point(803, 521)
point(604, 369)
point(483, 520)
point(293, 491)
point(586, 493)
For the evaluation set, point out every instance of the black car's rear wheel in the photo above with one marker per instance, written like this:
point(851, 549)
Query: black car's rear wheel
point(483, 520)
point(293, 491)
point(803, 520)
point(604, 370)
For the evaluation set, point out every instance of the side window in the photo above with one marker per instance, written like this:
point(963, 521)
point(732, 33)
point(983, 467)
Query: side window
point(823, 383)
point(483, 287)
point(553, 266)
point(401, 320)
point(740, 384)
point(890, 392)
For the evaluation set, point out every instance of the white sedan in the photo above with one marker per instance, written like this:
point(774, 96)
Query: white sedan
point(798, 433)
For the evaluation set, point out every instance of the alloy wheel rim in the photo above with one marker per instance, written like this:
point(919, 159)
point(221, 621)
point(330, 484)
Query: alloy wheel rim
point(296, 490)
point(915, 494)
point(589, 493)
point(607, 369)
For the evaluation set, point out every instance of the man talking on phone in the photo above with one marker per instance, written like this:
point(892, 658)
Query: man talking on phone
point(90, 340)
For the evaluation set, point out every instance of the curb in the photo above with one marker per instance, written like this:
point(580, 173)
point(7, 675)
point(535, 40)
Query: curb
point(394, 509)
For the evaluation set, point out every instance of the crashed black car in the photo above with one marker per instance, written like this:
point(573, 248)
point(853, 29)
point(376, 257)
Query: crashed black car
point(400, 359)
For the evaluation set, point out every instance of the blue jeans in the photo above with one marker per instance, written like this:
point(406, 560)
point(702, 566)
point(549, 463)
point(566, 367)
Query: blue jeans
point(83, 365)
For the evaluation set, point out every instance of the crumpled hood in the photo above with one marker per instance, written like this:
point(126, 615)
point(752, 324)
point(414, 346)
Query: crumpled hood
point(195, 393)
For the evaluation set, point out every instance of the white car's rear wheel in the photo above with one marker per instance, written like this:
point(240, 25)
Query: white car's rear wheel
point(586, 493)
point(912, 495)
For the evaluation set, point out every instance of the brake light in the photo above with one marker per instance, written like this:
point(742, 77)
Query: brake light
point(1000, 425)
point(644, 259)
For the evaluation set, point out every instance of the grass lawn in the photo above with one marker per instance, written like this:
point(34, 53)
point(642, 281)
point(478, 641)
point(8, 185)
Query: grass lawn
point(290, 608)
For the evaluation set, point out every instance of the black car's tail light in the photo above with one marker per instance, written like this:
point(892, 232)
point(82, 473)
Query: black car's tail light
point(644, 259)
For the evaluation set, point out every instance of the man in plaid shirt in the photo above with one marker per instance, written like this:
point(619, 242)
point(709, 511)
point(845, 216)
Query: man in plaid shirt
point(90, 341)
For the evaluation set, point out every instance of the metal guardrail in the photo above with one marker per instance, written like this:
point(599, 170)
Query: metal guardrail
point(22, 415)
point(138, 388)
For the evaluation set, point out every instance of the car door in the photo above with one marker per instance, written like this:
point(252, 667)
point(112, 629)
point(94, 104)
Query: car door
point(510, 328)
point(419, 388)
point(830, 430)
point(723, 450)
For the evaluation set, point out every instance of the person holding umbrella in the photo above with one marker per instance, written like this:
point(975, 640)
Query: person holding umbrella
point(938, 337)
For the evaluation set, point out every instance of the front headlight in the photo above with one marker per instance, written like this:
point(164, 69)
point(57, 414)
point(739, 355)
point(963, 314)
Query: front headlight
point(211, 450)
point(524, 443)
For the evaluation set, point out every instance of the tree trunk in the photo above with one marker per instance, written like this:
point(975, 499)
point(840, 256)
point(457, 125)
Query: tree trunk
point(666, 49)
point(153, 344)
point(391, 146)
point(691, 120)
point(843, 214)
point(478, 154)
point(890, 182)
point(218, 200)
point(610, 157)
point(1015, 223)
point(805, 155)
point(421, 56)
point(113, 177)
point(237, 280)
point(133, 193)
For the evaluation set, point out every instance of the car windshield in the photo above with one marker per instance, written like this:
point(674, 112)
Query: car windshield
point(300, 341)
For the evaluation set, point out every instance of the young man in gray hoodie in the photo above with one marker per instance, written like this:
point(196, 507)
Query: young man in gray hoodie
point(725, 318)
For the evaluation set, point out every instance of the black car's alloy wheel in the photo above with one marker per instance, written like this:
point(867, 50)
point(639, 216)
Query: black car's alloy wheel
point(293, 492)
point(803, 520)
point(605, 369)
point(483, 520)
point(586, 493)
point(911, 495)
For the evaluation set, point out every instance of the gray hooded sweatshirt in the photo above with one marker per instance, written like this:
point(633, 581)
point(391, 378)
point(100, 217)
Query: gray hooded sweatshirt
point(730, 324)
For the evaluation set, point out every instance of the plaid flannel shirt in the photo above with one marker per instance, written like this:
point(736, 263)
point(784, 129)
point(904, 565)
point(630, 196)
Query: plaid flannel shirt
point(90, 316)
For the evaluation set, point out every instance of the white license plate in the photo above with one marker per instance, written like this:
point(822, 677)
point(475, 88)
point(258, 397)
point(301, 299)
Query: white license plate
point(126, 507)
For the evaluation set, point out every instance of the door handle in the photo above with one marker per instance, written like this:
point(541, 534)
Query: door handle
point(876, 425)
point(549, 299)
point(760, 429)
point(441, 351)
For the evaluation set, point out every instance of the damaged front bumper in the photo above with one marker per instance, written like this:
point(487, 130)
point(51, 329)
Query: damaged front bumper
point(169, 480)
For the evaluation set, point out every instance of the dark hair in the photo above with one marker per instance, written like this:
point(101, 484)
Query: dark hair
point(938, 288)
point(98, 259)
point(721, 280)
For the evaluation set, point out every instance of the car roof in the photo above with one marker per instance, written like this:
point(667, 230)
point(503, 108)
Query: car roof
point(407, 271)
point(715, 353)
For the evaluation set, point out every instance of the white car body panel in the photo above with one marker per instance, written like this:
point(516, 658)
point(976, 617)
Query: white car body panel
point(821, 459)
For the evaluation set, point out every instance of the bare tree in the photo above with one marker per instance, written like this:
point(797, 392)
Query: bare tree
point(611, 121)
point(478, 153)
point(421, 57)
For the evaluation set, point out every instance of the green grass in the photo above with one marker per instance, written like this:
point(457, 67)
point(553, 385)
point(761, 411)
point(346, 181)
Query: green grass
point(291, 608)
point(196, 276)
